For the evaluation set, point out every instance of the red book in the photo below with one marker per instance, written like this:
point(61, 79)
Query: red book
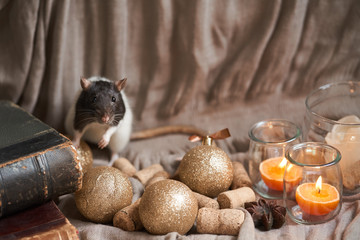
point(42, 222)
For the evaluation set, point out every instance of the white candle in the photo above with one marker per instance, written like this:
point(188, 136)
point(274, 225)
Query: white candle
point(346, 138)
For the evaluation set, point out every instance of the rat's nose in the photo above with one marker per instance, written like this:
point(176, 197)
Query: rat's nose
point(105, 118)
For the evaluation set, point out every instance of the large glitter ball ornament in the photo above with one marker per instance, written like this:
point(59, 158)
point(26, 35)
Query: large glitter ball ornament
point(104, 192)
point(206, 169)
point(168, 206)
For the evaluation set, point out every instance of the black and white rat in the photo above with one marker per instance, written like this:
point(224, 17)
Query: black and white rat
point(101, 114)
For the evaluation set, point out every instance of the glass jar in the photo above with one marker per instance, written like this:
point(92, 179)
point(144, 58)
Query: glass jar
point(266, 155)
point(332, 116)
point(312, 182)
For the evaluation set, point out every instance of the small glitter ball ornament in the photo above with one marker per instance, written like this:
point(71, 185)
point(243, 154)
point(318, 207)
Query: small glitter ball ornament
point(168, 206)
point(85, 156)
point(105, 191)
point(206, 169)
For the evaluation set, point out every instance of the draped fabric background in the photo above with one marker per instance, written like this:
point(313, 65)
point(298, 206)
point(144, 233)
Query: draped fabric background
point(209, 63)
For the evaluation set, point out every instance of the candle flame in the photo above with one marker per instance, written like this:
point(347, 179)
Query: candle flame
point(318, 184)
point(283, 163)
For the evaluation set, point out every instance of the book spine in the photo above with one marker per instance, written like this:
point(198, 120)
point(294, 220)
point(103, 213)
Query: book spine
point(39, 178)
point(65, 232)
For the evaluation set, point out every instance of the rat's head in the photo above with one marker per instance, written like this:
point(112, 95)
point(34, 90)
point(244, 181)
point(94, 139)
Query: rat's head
point(100, 101)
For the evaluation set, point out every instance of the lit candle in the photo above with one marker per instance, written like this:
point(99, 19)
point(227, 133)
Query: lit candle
point(317, 198)
point(272, 173)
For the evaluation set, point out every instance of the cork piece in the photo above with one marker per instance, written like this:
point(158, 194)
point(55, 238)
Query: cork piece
point(145, 174)
point(219, 221)
point(158, 177)
point(236, 198)
point(128, 218)
point(204, 201)
point(125, 166)
point(241, 177)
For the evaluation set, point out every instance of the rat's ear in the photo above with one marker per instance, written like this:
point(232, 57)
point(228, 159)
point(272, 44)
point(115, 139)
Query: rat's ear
point(120, 84)
point(85, 84)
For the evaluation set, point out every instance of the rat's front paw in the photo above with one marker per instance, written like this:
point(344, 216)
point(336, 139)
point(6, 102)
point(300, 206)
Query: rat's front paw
point(103, 143)
point(76, 143)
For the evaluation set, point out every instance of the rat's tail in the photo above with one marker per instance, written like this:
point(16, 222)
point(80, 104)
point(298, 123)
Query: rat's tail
point(172, 129)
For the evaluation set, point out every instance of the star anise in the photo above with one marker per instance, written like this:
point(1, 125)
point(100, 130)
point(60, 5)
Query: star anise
point(266, 214)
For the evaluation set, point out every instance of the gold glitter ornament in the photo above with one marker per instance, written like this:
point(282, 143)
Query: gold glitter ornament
point(168, 206)
point(85, 156)
point(207, 169)
point(105, 191)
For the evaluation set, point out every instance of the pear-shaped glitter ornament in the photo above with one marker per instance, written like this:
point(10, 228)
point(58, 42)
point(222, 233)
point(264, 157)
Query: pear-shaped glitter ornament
point(207, 169)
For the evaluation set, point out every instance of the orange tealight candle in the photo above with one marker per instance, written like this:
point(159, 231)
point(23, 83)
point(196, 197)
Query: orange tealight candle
point(272, 173)
point(317, 198)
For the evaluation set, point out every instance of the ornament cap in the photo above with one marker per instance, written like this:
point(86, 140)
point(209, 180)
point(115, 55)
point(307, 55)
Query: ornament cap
point(207, 141)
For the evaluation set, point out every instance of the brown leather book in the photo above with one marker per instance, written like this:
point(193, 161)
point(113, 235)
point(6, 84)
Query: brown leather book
point(36, 162)
point(41, 222)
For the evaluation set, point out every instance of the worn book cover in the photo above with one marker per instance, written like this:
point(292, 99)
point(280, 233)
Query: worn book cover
point(36, 162)
point(45, 221)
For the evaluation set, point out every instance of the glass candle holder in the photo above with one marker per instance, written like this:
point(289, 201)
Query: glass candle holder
point(332, 116)
point(316, 196)
point(266, 155)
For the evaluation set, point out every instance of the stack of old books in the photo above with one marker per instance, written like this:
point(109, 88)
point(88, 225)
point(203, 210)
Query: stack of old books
point(37, 164)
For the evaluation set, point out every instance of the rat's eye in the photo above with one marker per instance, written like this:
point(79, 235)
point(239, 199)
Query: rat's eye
point(113, 99)
point(94, 99)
